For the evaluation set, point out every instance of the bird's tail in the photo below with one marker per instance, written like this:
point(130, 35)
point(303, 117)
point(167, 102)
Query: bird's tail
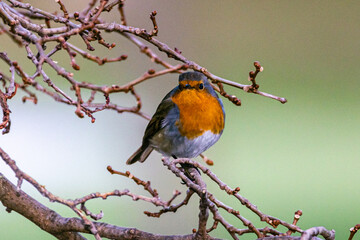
point(140, 155)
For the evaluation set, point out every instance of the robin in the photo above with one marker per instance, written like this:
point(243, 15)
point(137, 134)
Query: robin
point(188, 121)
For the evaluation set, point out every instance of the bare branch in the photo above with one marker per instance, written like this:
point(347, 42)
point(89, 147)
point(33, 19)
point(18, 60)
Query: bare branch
point(353, 231)
point(315, 231)
point(155, 31)
point(274, 222)
point(138, 181)
point(67, 228)
point(172, 208)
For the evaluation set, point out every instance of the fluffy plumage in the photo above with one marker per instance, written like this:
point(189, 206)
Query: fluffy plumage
point(188, 121)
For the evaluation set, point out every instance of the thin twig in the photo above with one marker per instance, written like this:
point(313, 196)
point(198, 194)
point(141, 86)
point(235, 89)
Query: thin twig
point(353, 231)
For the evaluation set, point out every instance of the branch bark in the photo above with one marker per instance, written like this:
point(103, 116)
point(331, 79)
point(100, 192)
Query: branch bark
point(67, 228)
point(287, 238)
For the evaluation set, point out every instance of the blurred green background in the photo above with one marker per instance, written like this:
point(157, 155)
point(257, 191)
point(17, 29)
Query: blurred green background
point(300, 155)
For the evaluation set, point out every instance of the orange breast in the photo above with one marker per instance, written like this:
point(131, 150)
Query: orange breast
point(199, 112)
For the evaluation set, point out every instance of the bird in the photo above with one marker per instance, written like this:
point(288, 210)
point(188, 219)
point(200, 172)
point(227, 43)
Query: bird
point(188, 121)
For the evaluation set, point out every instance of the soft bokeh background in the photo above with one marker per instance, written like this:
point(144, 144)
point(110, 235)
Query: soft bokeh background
point(300, 155)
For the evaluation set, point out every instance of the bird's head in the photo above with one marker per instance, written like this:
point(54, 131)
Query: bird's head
point(193, 81)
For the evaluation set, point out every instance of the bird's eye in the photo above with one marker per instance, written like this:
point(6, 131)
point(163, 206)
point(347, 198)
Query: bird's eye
point(201, 86)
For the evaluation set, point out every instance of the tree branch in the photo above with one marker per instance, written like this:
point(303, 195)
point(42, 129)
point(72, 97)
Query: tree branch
point(66, 228)
point(90, 29)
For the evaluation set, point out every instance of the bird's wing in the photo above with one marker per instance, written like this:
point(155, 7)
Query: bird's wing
point(156, 123)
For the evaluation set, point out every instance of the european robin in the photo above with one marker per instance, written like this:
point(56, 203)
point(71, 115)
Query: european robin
point(188, 121)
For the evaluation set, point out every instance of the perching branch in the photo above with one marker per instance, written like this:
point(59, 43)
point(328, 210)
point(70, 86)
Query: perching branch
point(13, 198)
